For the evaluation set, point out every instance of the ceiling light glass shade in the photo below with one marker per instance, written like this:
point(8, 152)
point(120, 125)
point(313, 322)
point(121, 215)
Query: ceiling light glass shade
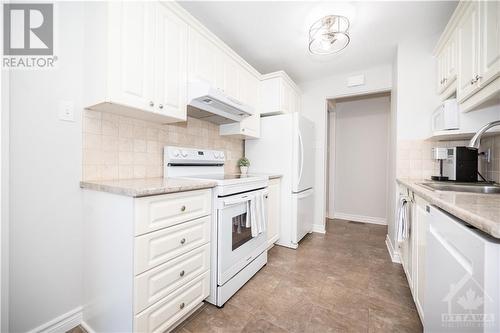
point(329, 34)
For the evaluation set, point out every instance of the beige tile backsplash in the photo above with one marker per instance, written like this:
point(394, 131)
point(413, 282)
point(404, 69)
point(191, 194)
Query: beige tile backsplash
point(116, 147)
point(414, 158)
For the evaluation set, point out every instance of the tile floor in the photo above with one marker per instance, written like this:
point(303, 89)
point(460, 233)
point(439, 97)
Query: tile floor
point(343, 281)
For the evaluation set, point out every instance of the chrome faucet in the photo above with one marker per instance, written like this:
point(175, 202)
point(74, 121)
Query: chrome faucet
point(476, 139)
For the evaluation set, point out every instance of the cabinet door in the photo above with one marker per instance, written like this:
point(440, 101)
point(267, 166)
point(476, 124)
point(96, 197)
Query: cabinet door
point(248, 86)
point(171, 64)
point(273, 211)
point(468, 45)
point(490, 41)
point(441, 69)
point(131, 53)
point(421, 224)
point(231, 73)
point(202, 58)
point(451, 61)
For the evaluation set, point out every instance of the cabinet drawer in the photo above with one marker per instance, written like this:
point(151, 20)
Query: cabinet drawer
point(161, 211)
point(160, 246)
point(160, 281)
point(162, 315)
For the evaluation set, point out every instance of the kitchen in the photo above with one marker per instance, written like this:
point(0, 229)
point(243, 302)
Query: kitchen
point(180, 168)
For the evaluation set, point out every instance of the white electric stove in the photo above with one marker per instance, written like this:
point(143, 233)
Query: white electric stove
point(235, 255)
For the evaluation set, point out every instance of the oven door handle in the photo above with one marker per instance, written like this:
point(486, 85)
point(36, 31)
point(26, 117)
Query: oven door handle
point(230, 202)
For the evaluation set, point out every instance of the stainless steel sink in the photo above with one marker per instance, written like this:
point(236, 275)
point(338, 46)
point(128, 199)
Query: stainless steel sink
point(484, 188)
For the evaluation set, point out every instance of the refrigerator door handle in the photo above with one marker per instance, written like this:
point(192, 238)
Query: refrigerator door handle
point(301, 147)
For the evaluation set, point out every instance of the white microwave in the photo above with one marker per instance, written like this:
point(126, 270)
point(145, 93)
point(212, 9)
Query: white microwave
point(446, 116)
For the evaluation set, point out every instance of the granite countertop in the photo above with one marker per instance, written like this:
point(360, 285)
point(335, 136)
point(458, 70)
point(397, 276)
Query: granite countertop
point(147, 186)
point(479, 210)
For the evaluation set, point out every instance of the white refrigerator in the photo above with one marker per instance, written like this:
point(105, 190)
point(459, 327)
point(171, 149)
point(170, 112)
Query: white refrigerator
point(286, 147)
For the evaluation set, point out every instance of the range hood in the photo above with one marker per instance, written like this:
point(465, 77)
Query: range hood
point(211, 104)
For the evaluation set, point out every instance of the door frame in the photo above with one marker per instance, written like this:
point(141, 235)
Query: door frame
point(327, 195)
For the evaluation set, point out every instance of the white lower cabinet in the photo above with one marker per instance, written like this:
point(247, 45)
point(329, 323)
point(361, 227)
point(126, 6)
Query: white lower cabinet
point(273, 211)
point(161, 316)
point(412, 251)
point(147, 260)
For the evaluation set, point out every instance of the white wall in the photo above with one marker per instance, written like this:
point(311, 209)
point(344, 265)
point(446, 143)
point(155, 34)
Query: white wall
point(4, 202)
point(45, 198)
point(361, 152)
point(315, 94)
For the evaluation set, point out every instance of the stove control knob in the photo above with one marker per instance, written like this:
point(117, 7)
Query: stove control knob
point(184, 153)
point(176, 153)
point(222, 155)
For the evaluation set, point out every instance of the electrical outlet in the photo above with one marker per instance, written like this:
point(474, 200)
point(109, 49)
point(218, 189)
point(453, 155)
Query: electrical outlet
point(66, 111)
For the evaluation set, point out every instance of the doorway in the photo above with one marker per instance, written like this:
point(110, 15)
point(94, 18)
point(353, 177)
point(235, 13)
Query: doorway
point(358, 144)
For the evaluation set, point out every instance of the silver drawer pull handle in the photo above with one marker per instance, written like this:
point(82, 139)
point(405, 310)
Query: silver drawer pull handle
point(161, 106)
point(181, 273)
point(182, 306)
point(183, 241)
point(183, 208)
point(151, 104)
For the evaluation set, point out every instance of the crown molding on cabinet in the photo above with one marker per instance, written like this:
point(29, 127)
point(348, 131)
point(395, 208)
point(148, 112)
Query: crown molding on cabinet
point(451, 25)
point(200, 28)
point(283, 75)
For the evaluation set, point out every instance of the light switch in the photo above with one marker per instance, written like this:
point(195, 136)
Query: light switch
point(66, 111)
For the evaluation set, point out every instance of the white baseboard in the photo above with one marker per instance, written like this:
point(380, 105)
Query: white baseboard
point(87, 327)
point(361, 218)
point(63, 323)
point(394, 255)
point(319, 228)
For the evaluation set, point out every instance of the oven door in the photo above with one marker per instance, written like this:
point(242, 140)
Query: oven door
point(236, 247)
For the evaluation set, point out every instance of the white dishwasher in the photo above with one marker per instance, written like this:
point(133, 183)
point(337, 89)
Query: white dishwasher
point(462, 281)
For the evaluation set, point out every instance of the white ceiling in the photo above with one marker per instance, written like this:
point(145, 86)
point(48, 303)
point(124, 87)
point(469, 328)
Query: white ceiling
point(274, 35)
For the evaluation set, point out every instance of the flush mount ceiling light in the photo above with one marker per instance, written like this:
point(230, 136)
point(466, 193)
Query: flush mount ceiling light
point(329, 34)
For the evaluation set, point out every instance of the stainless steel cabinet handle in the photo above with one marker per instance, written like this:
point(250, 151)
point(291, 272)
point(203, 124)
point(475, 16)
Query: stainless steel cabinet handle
point(472, 82)
point(478, 77)
point(160, 106)
point(182, 273)
point(151, 104)
point(183, 208)
point(427, 209)
point(182, 305)
point(183, 241)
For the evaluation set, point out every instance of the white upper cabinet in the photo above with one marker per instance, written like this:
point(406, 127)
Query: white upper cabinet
point(248, 93)
point(475, 60)
point(131, 47)
point(278, 94)
point(203, 60)
point(468, 47)
point(208, 62)
point(447, 65)
point(140, 50)
point(489, 60)
point(171, 64)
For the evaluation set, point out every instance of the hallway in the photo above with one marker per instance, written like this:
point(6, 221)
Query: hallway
point(350, 286)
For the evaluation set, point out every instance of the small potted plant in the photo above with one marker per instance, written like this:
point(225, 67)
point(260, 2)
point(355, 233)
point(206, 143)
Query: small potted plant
point(243, 163)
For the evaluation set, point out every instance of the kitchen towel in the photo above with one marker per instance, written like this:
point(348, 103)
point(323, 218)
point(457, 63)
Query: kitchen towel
point(261, 212)
point(403, 218)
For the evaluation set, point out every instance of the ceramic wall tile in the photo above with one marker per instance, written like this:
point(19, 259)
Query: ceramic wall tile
point(117, 147)
point(414, 158)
